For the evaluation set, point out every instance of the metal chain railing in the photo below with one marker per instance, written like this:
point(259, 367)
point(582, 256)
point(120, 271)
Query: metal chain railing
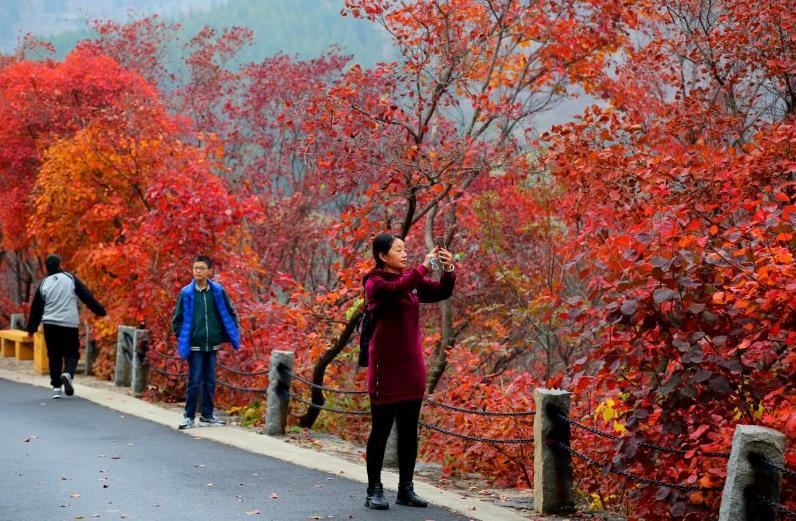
point(220, 382)
point(477, 411)
point(645, 444)
point(242, 373)
point(303, 380)
point(222, 366)
point(629, 475)
point(777, 507)
point(165, 372)
point(308, 403)
point(475, 438)
point(760, 460)
point(234, 387)
point(164, 355)
point(241, 388)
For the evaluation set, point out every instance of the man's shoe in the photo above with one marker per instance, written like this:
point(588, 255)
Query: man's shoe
point(407, 496)
point(66, 380)
point(186, 423)
point(56, 393)
point(211, 421)
point(376, 499)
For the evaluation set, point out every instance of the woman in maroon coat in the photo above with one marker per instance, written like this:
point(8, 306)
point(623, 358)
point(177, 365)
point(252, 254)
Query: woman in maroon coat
point(396, 369)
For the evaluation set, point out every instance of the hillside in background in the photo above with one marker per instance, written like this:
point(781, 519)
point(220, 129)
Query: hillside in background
point(295, 27)
point(305, 27)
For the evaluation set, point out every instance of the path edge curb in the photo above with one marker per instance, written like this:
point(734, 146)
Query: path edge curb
point(273, 447)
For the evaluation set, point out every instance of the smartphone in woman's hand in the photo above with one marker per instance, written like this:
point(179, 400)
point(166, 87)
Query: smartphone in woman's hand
point(444, 262)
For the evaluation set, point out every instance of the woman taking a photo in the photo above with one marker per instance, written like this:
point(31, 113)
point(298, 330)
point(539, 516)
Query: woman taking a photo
point(396, 369)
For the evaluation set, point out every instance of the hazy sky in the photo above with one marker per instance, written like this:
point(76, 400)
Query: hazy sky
point(48, 17)
point(51, 17)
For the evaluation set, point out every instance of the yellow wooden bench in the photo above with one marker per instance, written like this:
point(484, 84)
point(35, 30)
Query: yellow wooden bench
point(40, 360)
point(17, 343)
point(14, 342)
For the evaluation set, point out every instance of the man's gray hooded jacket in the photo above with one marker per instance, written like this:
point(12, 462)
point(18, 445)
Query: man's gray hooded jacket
point(55, 302)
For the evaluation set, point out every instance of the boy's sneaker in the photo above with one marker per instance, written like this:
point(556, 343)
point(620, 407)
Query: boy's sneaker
point(66, 380)
point(211, 421)
point(56, 393)
point(186, 423)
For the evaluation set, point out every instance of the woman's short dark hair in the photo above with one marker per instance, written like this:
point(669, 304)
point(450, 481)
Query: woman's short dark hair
point(382, 244)
point(205, 259)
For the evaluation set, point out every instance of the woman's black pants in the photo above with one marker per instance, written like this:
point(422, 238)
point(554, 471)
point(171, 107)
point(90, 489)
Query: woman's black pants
point(406, 416)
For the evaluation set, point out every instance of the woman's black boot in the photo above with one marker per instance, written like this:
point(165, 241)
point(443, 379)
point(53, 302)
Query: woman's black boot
point(376, 499)
point(407, 496)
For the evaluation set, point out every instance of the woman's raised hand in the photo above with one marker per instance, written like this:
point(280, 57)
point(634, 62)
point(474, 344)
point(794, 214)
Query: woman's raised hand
point(445, 257)
point(430, 256)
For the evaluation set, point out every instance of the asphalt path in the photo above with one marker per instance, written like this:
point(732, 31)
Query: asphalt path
point(68, 459)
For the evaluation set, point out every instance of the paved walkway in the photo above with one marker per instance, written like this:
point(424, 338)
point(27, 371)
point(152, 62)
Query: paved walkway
point(73, 459)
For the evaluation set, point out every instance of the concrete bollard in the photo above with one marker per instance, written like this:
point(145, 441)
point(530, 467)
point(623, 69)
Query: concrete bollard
point(91, 350)
point(124, 356)
point(278, 402)
point(391, 450)
point(552, 467)
point(745, 479)
point(17, 321)
point(140, 364)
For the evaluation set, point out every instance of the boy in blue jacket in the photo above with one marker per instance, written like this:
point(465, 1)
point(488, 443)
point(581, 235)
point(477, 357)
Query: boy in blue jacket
point(203, 319)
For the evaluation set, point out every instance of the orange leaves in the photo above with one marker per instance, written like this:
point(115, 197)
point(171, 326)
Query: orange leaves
point(784, 257)
point(687, 241)
point(50, 101)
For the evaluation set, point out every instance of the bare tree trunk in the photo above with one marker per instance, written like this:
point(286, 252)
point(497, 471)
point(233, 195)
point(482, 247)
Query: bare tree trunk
point(18, 272)
point(309, 417)
point(447, 338)
point(447, 335)
point(30, 277)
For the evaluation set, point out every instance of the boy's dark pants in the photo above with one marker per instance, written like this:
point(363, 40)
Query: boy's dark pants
point(63, 350)
point(201, 373)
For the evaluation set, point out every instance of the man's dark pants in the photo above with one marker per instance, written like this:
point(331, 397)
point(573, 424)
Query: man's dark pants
point(63, 350)
point(201, 374)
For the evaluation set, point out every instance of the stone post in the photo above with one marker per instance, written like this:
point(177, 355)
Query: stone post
point(391, 450)
point(140, 364)
point(124, 356)
point(747, 477)
point(17, 321)
point(278, 400)
point(552, 466)
point(91, 350)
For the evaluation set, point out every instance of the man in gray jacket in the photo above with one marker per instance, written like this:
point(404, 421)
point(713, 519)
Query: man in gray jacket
point(55, 306)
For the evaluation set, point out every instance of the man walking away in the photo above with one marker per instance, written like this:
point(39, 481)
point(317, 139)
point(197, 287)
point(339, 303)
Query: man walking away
point(55, 306)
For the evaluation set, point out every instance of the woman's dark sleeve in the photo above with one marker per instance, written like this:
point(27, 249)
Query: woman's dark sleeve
point(431, 291)
point(377, 288)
